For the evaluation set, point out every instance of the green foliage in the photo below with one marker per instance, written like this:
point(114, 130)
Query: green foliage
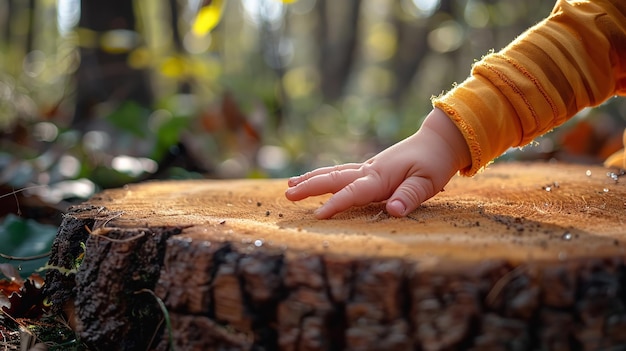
point(168, 135)
point(25, 238)
point(131, 117)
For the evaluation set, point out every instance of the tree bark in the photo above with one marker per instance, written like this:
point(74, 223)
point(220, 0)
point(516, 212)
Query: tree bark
point(104, 75)
point(520, 257)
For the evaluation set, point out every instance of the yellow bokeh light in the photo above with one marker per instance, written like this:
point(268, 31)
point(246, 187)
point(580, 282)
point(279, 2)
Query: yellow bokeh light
point(207, 18)
point(446, 38)
point(173, 67)
point(381, 42)
point(139, 58)
point(300, 82)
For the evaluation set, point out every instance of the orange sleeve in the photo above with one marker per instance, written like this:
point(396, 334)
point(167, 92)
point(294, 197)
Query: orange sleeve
point(573, 59)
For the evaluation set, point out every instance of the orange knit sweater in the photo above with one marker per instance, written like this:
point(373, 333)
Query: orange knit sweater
point(573, 59)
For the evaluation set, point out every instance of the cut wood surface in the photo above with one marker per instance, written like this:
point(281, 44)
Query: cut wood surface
point(516, 212)
point(521, 256)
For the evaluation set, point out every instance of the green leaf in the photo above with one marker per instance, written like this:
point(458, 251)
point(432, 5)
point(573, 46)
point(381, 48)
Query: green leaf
point(168, 135)
point(106, 177)
point(25, 238)
point(132, 118)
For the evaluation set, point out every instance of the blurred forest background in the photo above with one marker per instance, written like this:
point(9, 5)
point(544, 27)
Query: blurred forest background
point(101, 93)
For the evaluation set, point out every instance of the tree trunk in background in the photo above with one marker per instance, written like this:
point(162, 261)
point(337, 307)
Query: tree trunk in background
point(104, 75)
point(337, 37)
point(184, 83)
point(6, 23)
point(30, 36)
point(412, 48)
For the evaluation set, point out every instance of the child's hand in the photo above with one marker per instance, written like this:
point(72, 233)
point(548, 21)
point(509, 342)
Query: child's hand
point(406, 174)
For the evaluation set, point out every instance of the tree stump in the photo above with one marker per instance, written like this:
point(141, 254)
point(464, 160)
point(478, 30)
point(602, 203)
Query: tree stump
point(524, 256)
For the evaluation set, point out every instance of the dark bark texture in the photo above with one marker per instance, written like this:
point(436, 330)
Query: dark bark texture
point(229, 286)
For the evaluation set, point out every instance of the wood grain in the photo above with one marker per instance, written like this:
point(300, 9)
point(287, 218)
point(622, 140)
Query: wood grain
point(522, 256)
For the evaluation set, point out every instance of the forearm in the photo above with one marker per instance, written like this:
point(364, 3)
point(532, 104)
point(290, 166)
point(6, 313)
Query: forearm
point(572, 60)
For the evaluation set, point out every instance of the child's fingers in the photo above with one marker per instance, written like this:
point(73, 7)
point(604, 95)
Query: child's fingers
point(363, 190)
point(409, 195)
point(293, 181)
point(323, 183)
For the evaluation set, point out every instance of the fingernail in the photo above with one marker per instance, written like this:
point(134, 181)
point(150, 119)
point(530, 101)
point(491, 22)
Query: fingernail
point(293, 181)
point(396, 206)
point(319, 213)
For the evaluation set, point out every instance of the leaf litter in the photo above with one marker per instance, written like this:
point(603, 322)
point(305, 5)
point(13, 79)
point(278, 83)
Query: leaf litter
point(26, 322)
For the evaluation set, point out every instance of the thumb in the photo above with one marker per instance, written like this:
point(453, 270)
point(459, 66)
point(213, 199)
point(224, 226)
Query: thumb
point(409, 195)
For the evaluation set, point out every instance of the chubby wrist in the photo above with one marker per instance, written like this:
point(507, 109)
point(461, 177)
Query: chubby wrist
point(438, 122)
